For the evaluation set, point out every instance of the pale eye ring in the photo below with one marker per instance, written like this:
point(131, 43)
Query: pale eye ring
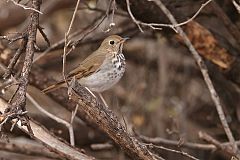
point(111, 42)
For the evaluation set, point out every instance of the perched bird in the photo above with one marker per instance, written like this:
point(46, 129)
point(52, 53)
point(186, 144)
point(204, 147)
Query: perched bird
point(100, 70)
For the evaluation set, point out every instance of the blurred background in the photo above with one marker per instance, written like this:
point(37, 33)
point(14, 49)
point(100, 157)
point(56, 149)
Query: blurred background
point(162, 93)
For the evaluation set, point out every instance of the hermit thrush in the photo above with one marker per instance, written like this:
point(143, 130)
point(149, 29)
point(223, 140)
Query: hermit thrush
point(102, 69)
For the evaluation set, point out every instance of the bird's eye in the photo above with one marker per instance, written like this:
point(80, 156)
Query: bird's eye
point(111, 42)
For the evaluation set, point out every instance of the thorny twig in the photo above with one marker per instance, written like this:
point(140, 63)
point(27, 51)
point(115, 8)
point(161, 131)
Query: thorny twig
point(203, 69)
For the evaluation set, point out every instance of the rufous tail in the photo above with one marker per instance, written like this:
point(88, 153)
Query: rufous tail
point(53, 87)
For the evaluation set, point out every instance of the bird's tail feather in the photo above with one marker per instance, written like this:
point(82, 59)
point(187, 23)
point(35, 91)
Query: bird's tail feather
point(53, 87)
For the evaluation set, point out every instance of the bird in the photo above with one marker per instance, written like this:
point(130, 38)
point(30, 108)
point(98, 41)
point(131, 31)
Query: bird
point(100, 70)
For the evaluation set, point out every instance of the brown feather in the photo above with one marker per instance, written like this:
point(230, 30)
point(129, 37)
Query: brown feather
point(89, 66)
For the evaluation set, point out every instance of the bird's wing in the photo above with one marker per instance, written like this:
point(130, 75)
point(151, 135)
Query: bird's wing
point(89, 66)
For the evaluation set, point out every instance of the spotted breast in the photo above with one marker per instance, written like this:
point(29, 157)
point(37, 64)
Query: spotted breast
point(108, 74)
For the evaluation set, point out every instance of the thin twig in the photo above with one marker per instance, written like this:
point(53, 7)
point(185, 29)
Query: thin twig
point(156, 26)
point(103, 11)
point(203, 69)
point(44, 35)
point(133, 18)
point(94, 28)
point(16, 38)
point(67, 42)
point(60, 44)
point(71, 131)
point(237, 6)
point(50, 115)
point(101, 146)
point(211, 140)
point(57, 119)
point(172, 150)
point(25, 7)
point(84, 32)
point(190, 145)
point(112, 4)
point(15, 58)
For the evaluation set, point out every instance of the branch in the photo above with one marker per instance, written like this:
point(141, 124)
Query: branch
point(216, 143)
point(18, 105)
point(190, 145)
point(203, 69)
point(26, 147)
point(54, 117)
point(42, 135)
point(156, 26)
point(26, 7)
point(237, 6)
point(108, 122)
point(15, 58)
point(185, 154)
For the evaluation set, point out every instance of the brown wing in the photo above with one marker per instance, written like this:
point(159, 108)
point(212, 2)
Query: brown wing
point(89, 66)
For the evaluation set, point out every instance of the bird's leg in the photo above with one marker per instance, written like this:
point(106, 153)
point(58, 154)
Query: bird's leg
point(103, 100)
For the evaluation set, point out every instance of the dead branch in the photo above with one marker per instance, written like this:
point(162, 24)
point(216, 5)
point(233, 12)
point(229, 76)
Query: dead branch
point(108, 122)
point(18, 105)
point(29, 148)
point(54, 117)
point(41, 80)
point(50, 141)
point(15, 58)
point(211, 140)
point(190, 145)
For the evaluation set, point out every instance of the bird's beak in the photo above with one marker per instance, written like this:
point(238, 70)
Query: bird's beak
point(124, 39)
